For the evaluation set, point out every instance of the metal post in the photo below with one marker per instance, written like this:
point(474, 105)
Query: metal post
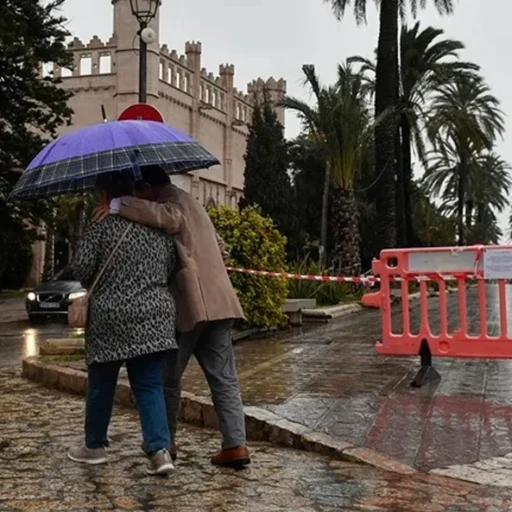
point(427, 373)
point(143, 67)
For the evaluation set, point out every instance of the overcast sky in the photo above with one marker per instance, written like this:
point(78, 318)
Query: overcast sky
point(276, 37)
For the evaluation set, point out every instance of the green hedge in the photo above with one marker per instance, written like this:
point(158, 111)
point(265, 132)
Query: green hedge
point(254, 243)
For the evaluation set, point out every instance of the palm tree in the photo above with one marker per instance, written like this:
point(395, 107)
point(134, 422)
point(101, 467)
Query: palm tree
point(318, 123)
point(464, 123)
point(354, 132)
point(432, 226)
point(486, 230)
point(340, 122)
point(487, 181)
point(386, 99)
point(426, 62)
point(488, 187)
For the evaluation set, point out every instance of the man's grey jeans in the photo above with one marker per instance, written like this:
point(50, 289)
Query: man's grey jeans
point(211, 344)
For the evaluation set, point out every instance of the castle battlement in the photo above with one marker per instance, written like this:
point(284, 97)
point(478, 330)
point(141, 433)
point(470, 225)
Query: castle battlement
point(178, 70)
point(94, 43)
point(271, 85)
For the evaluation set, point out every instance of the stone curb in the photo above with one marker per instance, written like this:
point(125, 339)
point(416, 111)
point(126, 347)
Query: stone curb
point(60, 347)
point(332, 311)
point(261, 425)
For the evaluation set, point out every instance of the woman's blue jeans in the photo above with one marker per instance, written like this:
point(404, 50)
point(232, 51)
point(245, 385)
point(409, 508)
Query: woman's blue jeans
point(145, 374)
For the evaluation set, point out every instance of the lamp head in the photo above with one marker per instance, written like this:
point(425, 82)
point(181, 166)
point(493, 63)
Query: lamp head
point(144, 10)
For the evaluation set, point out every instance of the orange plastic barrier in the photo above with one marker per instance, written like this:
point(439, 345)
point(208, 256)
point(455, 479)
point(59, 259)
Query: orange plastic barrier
point(443, 265)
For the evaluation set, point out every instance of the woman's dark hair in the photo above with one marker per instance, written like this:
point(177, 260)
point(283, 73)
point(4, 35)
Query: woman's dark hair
point(155, 176)
point(116, 184)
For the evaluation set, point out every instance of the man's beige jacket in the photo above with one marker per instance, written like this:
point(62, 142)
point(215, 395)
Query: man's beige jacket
point(202, 289)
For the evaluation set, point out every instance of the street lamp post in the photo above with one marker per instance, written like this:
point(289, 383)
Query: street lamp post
point(144, 11)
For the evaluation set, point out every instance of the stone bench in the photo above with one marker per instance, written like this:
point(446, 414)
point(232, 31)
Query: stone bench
point(294, 307)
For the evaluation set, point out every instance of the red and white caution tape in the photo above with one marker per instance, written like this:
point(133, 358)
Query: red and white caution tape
point(344, 279)
point(306, 277)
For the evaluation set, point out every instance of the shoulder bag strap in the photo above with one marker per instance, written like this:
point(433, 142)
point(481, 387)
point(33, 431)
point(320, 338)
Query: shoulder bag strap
point(109, 259)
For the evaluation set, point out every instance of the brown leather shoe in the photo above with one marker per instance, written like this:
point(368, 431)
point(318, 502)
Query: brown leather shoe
point(174, 452)
point(236, 458)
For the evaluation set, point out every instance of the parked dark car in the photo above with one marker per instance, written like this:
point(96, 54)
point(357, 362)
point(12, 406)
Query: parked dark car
point(52, 298)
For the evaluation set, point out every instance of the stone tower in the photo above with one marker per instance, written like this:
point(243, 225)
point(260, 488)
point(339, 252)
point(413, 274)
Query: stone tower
point(126, 27)
point(275, 91)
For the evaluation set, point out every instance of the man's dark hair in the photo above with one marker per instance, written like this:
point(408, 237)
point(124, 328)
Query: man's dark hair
point(155, 176)
point(116, 184)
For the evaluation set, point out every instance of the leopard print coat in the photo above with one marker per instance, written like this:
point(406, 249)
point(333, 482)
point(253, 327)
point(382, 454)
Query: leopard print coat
point(132, 312)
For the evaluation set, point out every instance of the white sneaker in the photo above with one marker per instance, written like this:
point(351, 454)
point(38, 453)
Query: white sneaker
point(84, 455)
point(160, 463)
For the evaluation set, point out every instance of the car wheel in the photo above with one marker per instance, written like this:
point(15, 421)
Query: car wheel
point(35, 319)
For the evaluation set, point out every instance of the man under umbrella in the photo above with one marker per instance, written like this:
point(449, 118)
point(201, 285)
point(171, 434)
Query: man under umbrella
point(205, 300)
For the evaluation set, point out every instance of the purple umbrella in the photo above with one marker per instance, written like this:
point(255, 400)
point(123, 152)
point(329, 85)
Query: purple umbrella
point(71, 163)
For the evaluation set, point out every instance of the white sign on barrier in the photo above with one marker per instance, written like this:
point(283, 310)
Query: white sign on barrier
point(498, 264)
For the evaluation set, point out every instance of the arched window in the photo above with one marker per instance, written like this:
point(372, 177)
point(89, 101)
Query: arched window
point(210, 203)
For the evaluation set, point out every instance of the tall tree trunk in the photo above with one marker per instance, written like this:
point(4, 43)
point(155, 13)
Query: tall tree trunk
point(406, 152)
point(479, 213)
point(385, 132)
point(461, 201)
point(76, 228)
point(400, 171)
point(49, 254)
point(401, 220)
point(325, 212)
point(71, 241)
point(470, 208)
point(347, 252)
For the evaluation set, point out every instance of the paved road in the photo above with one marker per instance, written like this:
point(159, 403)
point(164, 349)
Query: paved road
point(37, 426)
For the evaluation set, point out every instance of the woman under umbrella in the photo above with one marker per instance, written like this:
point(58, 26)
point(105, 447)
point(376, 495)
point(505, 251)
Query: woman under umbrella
point(131, 320)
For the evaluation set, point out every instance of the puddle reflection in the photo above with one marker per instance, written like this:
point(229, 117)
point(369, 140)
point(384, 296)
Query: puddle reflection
point(21, 341)
point(30, 343)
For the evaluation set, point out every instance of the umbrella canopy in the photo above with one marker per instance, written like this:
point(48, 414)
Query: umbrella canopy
point(71, 163)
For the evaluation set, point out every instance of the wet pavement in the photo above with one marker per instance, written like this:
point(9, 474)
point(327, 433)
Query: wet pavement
point(18, 338)
point(331, 380)
point(37, 426)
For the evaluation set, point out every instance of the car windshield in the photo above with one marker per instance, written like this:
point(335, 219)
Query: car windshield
point(66, 274)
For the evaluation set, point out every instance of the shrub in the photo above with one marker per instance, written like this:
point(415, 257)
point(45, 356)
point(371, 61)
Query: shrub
point(299, 289)
point(254, 243)
point(325, 293)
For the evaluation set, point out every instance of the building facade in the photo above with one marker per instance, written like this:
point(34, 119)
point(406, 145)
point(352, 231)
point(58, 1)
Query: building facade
point(205, 105)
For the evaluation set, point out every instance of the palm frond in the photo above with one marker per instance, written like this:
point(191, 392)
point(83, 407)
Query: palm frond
point(340, 120)
point(340, 6)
